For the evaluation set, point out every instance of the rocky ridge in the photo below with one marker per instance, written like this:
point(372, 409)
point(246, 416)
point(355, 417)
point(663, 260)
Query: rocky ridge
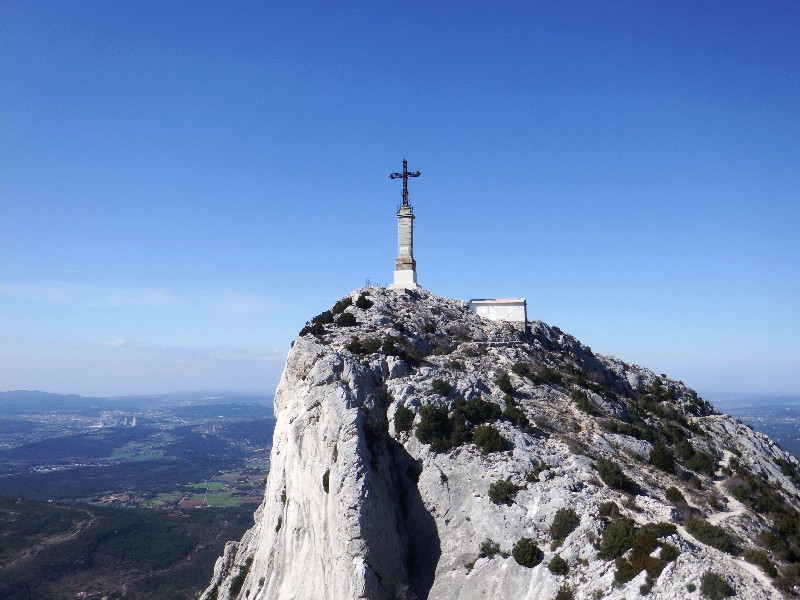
point(423, 452)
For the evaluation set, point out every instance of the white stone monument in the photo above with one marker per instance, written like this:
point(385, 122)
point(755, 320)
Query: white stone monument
point(405, 267)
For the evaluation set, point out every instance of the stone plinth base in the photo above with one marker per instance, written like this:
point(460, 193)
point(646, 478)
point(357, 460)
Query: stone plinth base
point(404, 280)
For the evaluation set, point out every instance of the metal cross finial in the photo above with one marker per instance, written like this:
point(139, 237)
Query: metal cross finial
point(405, 175)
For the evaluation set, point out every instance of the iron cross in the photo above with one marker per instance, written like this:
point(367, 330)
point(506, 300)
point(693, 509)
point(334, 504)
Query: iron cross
point(405, 175)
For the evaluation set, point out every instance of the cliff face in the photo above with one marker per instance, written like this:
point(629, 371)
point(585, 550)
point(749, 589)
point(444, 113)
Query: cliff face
point(416, 444)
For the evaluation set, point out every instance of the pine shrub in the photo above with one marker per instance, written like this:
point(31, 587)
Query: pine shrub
point(363, 302)
point(612, 475)
point(713, 536)
point(488, 548)
point(617, 539)
point(341, 305)
point(564, 523)
point(488, 439)
point(674, 495)
point(662, 458)
point(527, 553)
point(477, 410)
point(346, 319)
point(441, 387)
point(503, 492)
point(714, 587)
point(565, 593)
point(403, 418)
point(503, 381)
point(558, 565)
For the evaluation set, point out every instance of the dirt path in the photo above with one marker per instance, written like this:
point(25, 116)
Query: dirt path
point(735, 508)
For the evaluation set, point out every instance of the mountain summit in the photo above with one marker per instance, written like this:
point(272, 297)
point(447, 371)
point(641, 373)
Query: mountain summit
point(422, 451)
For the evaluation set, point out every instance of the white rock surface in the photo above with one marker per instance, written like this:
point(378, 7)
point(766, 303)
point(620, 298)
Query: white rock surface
point(400, 521)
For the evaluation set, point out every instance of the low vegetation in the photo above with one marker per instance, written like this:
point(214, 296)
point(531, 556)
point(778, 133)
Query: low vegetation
point(661, 457)
point(489, 549)
point(558, 565)
point(441, 387)
point(488, 439)
point(403, 418)
point(503, 381)
point(612, 475)
point(503, 492)
point(715, 587)
point(643, 543)
point(363, 302)
point(564, 523)
point(712, 535)
point(527, 553)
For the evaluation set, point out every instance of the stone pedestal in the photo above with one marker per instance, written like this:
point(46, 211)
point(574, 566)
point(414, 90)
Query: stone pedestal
point(405, 267)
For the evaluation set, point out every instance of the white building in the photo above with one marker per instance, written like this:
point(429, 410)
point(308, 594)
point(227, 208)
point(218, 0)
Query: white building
point(500, 309)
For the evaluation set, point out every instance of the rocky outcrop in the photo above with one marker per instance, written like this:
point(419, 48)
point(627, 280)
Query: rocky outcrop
point(383, 461)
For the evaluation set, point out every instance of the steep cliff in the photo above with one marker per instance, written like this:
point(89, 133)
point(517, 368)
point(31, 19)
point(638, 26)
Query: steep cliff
point(423, 452)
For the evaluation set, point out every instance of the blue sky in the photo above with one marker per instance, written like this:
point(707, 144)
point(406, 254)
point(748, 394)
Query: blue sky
point(182, 185)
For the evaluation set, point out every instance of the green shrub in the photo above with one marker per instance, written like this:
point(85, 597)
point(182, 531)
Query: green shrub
point(564, 523)
point(700, 462)
point(341, 305)
point(714, 587)
point(442, 431)
point(346, 320)
point(441, 387)
point(558, 565)
point(326, 478)
point(488, 548)
point(612, 475)
point(503, 381)
point(674, 495)
point(401, 348)
point(515, 414)
point(565, 593)
point(488, 439)
point(503, 492)
point(617, 539)
point(527, 553)
point(522, 369)
point(608, 510)
point(434, 424)
point(583, 403)
point(315, 326)
point(791, 578)
point(760, 558)
point(547, 375)
point(533, 475)
point(668, 552)
point(312, 329)
point(713, 536)
point(367, 346)
point(363, 302)
point(382, 395)
point(624, 572)
point(662, 458)
point(477, 410)
point(403, 418)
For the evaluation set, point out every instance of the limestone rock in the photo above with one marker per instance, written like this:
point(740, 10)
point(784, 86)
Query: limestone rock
point(356, 506)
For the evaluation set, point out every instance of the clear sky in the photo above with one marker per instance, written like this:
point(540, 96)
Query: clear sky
point(184, 184)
